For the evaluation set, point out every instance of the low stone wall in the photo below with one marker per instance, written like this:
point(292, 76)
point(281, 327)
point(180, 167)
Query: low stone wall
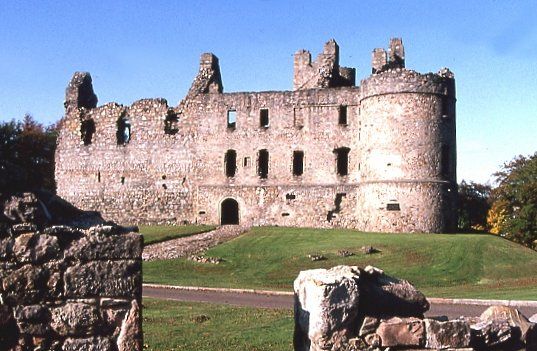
point(347, 309)
point(63, 288)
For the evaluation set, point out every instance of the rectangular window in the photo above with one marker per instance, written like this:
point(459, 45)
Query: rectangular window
point(342, 115)
point(231, 119)
point(246, 162)
point(393, 207)
point(263, 164)
point(445, 107)
point(342, 160)
point(230, 161)
point(264, 118)
point(298, 163)
point(445, 161)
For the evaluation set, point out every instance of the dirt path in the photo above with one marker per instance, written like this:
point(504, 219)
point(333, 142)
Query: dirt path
point(193, 244)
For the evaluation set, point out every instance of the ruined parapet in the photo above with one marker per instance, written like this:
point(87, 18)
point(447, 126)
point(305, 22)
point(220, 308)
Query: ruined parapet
point(324, 72)
point(395, 58)
point(379, 60)
point(347, 308)
point(208, 80)
point(67, 288)
point(79, 93)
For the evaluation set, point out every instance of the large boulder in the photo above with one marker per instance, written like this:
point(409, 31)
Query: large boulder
point(385, 296)
point(326, 307)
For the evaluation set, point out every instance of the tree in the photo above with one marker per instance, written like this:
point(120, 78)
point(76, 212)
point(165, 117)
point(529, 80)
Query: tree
point(515, 200)
point(27, 156)
point(473, 205)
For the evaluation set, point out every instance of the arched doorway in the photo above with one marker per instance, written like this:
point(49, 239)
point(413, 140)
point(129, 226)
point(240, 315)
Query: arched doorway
point(229, 212)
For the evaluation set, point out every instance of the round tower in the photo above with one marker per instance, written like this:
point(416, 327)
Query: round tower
point(407, 151)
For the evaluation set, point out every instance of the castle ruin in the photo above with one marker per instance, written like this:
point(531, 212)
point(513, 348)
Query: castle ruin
point(380, 156)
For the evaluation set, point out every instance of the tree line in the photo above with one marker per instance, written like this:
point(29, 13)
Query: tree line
point(508, 209)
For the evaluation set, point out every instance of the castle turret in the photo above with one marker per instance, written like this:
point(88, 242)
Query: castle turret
point(408, 166)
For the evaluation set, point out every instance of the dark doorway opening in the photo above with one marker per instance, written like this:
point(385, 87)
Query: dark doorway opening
point(229, 212)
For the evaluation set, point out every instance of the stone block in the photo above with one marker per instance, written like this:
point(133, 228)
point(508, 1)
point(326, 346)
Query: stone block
point(402, 332)
point(100, 246)
point(369, 325)
point(104, 278)
point(33, 319)
point(6, 248)
point(494, 334)
point(326, 303)
point(97, 343)
point(385, 296)
point(130, 336)
point(509, 314)
point(25, 285)
point(113, 312)
point(450, 334)
point(75, 319)
point(36, 248)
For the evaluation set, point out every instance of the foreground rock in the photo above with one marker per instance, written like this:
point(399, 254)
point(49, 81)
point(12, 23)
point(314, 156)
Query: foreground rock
point(347, 308)
point(66, 287)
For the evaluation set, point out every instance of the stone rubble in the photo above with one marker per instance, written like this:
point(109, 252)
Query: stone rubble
point(347, 308)
point(191, 245)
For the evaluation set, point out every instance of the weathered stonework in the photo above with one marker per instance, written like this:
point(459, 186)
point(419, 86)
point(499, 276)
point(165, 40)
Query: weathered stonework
point(67, 288)
point(378, 157)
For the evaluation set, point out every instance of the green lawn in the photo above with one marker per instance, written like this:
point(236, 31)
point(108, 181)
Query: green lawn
point(158, 233)
point(441, 265)
point(173, 325)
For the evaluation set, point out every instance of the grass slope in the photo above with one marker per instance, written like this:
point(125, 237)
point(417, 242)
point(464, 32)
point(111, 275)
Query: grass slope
point(441, 265)
point(158, 233)
point(173, 325)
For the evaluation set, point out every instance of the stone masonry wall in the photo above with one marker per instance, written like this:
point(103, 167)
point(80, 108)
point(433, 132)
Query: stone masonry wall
point(63, 288)
point(397, 130)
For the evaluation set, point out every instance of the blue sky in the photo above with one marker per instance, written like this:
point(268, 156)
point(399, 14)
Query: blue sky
point(141, 49)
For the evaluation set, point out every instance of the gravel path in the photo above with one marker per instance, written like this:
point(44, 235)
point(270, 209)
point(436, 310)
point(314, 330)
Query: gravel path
point(193, 244)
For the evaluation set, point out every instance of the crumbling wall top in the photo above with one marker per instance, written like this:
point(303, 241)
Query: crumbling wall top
point(79, 92)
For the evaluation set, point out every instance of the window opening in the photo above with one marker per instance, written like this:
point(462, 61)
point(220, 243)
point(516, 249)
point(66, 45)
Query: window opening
point(290, 196)
point(445, 107)
point(342, 115)
point(445, 162)
point(263, 164)
point(171, 123)
point(123, 133)
point(87, 129)
point(231, 119)
point(285, 214)
point(246, 162)
point(264, 117)
point(230, 162)
point(393, 207)
point(99, 177)
point(298, 163)
point(342, 160)
point(122, 180)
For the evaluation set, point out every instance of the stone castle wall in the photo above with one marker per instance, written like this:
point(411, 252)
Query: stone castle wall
point(64, 288)
point(394, 136)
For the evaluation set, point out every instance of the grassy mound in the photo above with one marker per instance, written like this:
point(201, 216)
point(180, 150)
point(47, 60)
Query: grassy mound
point(441, 265)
